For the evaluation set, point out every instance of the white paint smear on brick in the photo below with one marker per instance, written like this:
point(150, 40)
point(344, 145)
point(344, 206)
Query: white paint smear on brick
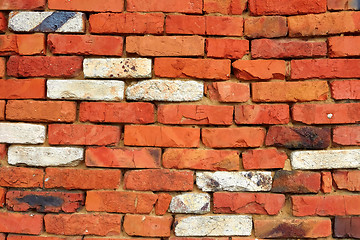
point(23, 133)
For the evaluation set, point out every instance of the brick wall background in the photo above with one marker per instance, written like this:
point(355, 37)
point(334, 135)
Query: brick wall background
point(179, 118)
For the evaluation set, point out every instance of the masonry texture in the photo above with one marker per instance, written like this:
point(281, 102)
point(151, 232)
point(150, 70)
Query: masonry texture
point(179, 119)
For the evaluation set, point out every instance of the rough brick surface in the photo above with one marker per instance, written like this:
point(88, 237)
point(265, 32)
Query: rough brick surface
point(347, 135)
point(349, 180)
point(22, 88)
point(224, 26)
point(21, 223)
point(263, 159)
point(347, 227)
point(345, 89)
point(22, 5)
point(22, 44)
point(262, 114)
point(19, 177)
point(267, 27)
point(228, 91)
point(86, 5)
point(183, 6)
point(226, 48)
point(185, 24)
point(259, 69)
point(147, 226)
point(296, 182)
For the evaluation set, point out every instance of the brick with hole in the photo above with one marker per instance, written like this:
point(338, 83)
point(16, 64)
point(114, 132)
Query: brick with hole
point(224, 25)
point(265, 27)
point(348, 180)
point(22, 44)
point(345, 89)
point(228, 91)
point(262, 114)
point(185, 24)
point(346, 135)
point(296, 182)
point(20, 177)
point(181, 6)
point(270, 158)
point(226, 48)
point(87, 5)
point(147, 226)
point(11, 222)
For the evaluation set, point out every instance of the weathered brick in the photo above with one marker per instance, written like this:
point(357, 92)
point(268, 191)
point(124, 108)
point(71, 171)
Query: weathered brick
point(262, 114)
point(3, 151)
point(22, 88)
point(82, 179)
point(326, 182)
point(163, 203)
point(22, 201)
point(324, 24)
point(296, 182)
point(21, 223)
point(22, 133)
point(263, 159)
point(292, 228)
point(40, 111)
point(120, 202)
point(18, 177)
point(346, 46)
point(346, 135)
point(259, 69)
point(224, 25)
point(2, 109)
point(347, 227)
point(22, 5)
point(193, 68)
point(3, 22)
point(166, 180)
point(348, 180)
point(233, 137)
point(248, 203)
point(147, 226)
point(2, 200)
point(198, 159)
point(302, 91)
point(87, 5)
point(161, 136)
point(291, 7)
point(2, 67)
point(287, 48)
point(181, 6)
point(44, 66)
point(22, 44)
point(228, 91)
point(185, 24)
point(29, 237)
point(130, 23)
point(83, 224)
point(226, 48)
point(267, 27)
point(123, 157)
point(225, 6)
point(165, 45)
point(345, 89)
point(326, 113)
point(195, 203)
point(343, 5)
point(298, 137)
point(328, 205)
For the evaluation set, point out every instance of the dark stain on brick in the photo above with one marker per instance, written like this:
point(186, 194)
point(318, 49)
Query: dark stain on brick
point(313, 138)
point(294, 182)
point(41, 201)
point(286, 230)
point(203, 208)
point(155, 153)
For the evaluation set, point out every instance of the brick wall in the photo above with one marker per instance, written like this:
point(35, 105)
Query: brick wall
point(179, 119)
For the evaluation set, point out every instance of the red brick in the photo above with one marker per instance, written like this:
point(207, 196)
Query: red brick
point(325, 68)
point(296, 182)
point(348, 180)
point(267, 27)
point(347, 227)
point(195, 114)
point(224, 25)
point(185, 24)
point(160, 136)
point(263, 159)
point(27, 237)
point(123, 157)
point(288, 7)
point(165, 180)
point(2, 197)
point(22, 88)
point(2, 112)
point(2, 236)
point(328, 205)
point(346, 46)
point(262, 114)
point(22, 201)
point(85, 45)
point(326, 113)
point(3, 22)
point(324, 24)
point(19, 177)
point(248, 203)
point(225, 6)
point(326, 182)
point(300, 137)
point(147, 226)
point(345, 89)
point(162, 203)
point(302, 91)
point(131, 23)
point(287, 48)
point(226, 48)
point(3, 149)
point(22, 44)
point(233, 137)
point(87, 5)
point(22, 4)
point(60, 134)
point(82, 178)
point(83, 224)
point(199, 159)
point(347, 135)
point(2, 67)
point(218, 69)
point(228, 91)
point(21, 223)
point(259, 69)
point(120, 202)
point(117, 112)
point(292, 228)
point(165, 45)
point(41, 111)
point(181, 6)
point(337, 4)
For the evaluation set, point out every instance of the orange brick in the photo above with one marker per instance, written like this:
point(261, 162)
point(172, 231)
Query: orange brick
point(225, 6)
point(87, 5)
point(2, 196)
point(224, 25)
point(22, 4)
point(185, 24)
point(226, 48)
point(290, 7)
point(326, 182)
point(348, 180)
point(28, 237)
point(263, 159)
point(233, 137)
point(162, 203)
point(228, 91)
point(267, 27)
point(347, 135)
point(2, 67)
point(346, 46)
point(3, 148)
point(18, 177)
point(262, 114)
point(3, 22)
point(259, 69)
point(2, 110)
point(147, 226)
point(41, 111)
point(21, 223)
point(182, 6)
point(22, 44)
point(22, 88)
point(345, 89)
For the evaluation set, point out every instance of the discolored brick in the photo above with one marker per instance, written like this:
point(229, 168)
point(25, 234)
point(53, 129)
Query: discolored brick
point(296, 182)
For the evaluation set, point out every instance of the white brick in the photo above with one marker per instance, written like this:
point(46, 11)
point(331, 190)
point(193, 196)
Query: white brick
point(166, 90)
point(234, 181)
point(23, 133)
point(198, 203)
point(70, 22)
point(105, 90)
point(45, 156)
point(117, 68)
point(206, 226)
point(325, 159)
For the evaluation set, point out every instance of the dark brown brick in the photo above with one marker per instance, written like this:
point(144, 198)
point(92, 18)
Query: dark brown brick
point(296, 182)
